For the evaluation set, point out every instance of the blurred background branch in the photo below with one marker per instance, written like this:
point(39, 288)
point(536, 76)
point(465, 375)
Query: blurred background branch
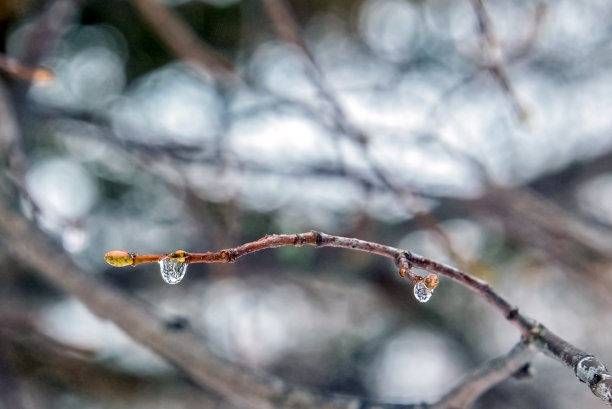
point(183, 42)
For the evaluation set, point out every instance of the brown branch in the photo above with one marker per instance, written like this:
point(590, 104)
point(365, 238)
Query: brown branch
point(184, 349)
point(521, 210)
point(586, 367)
point(280, 14)
point(402, 258)
point(242, 388)
point(485, 377)
point(182, 41)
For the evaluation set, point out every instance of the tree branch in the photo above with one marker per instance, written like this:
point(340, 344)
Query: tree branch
point(185, 348)
point(484, 378)
point(181, 39)
point(591, 370)
point(242, 388)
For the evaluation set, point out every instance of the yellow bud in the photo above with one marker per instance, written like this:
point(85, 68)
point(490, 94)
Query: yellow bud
point(119, 258)
point(179, 256)
point(431, 281)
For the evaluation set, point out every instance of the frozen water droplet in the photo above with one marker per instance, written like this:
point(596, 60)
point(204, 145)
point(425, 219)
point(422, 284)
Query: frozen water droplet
point(172, 271)
point(421, 292)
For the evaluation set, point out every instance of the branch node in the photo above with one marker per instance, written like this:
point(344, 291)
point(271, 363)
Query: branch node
point(589, 370)
point(402, 260)
point(536, 330)
point(318, 238)
point(177, 324)
point(299, 239)
point(513, 314)
point(593, 372)
point(408, 256)
point(229, 255)
point(525, 372)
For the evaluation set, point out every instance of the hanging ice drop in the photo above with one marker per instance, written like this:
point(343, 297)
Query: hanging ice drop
point(172, 271)
point(421, 292)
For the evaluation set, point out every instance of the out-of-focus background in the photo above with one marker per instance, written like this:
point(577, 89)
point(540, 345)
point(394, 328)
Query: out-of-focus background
point(475, 134)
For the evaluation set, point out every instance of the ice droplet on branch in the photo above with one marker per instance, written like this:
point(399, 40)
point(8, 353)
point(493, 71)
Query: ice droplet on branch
point(421, 292)
point(172, 271)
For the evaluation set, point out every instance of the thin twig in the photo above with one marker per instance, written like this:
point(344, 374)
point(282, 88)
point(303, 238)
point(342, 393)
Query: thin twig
point(402, 258)
point(185, 348)
point(517, 208)
point(494, 57)
point(280, 14)
point(585, 366)
point(240, 387)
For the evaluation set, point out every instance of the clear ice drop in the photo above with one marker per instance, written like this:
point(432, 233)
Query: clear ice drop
point(421, 292)
point(171, 271)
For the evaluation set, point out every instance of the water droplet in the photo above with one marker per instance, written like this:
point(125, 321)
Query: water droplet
point(421, 292)
point(172, 271)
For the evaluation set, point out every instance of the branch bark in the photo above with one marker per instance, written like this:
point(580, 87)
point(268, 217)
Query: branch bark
point(591, 370)
point(484, 378)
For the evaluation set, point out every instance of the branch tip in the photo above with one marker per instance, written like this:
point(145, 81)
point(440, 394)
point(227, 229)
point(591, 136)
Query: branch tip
point(318, 238)
point(229, 255)
point(119, 258)
point(513, 314)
